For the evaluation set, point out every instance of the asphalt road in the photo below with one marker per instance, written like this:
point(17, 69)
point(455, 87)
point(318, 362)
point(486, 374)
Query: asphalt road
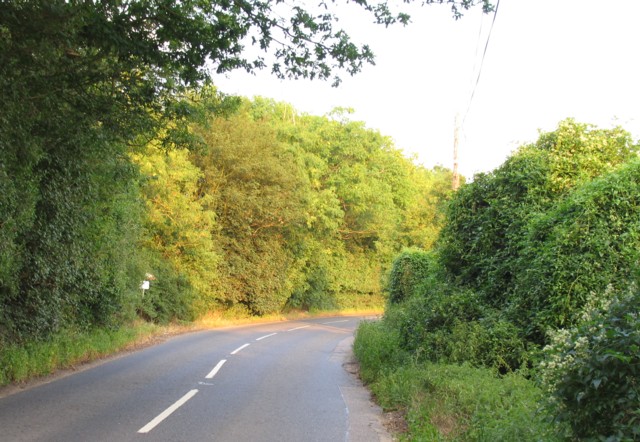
point(275, 382)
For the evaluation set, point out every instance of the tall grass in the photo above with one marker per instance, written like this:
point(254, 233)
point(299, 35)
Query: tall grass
point(19, 363)
point(446, 401)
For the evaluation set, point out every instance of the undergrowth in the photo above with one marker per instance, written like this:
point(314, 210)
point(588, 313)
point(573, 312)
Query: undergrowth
point(448, 401)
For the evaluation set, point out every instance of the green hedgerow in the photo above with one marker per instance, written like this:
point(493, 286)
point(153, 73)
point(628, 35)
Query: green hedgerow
point(408, 273)
point(591, 372)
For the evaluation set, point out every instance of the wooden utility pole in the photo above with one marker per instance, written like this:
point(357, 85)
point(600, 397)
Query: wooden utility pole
point(456, 136)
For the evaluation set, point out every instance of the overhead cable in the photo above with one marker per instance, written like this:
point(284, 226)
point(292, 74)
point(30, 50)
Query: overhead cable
point(486, 46)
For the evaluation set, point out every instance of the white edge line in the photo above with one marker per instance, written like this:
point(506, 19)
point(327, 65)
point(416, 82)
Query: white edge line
point(265, 336)
point(166, 413)
point(298, 328)
point(334, 322)
point(240, 348)
point(215, 370)
point(346, 410)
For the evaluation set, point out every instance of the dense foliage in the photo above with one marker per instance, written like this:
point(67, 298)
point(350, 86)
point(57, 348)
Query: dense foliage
point(592, 370)
point(85, 86)
point(487, 223)
point(408, 273)
point(538, 253)
point(449, 401)
point(587, 242)
point(273, 210)
point(438, 321)
point(308, 208)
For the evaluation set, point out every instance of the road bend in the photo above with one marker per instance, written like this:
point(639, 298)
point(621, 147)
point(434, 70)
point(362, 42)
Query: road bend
point(277, 382)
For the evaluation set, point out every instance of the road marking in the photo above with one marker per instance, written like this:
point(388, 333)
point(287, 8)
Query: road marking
point(166, 413)
point(239, 348)
point(298, 328)
point(335, 322)
point(215, 370)
point(265, 336)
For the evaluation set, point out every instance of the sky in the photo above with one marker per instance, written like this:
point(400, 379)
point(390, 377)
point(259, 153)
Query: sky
point(546, 60)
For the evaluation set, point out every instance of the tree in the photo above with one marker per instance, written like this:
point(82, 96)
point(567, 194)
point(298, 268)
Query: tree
point(361, 190)
point(81, 81)
point(489, 218)
point(180, 223)
point(260, 196)
point(425, 212)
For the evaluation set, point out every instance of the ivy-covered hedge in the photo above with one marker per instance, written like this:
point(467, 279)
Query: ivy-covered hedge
point(589, 241)
point(441, 322)
point(488, 221)
point(535, 253)
point(408, 272)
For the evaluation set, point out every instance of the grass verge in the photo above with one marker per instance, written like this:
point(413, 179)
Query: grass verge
point(19, 363)
point(444, 402)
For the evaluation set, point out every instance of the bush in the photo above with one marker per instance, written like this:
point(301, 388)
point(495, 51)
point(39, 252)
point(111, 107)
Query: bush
point(490, 342)
point(485, 222)
point(592, 371)
point(408, 271)
point(462, 403)
point(421, 318)
point(377, 349)
point(316, 289)
point(452, 325)
point(483, 239)
point(171, 296)
point(589, 241)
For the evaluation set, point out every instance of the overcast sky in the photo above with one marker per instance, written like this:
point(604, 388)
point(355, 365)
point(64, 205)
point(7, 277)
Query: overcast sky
point(546, 60)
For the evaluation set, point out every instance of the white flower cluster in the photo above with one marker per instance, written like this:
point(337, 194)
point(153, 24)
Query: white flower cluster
point(568, 347)
point(598, 353)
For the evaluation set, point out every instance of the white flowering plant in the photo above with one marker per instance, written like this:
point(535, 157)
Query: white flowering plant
point(591, 372)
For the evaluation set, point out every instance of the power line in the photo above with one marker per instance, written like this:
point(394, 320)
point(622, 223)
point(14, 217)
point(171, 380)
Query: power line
point(486, 46)
point(476, 55)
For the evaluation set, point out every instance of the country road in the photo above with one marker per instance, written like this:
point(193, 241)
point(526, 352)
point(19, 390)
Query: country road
point(271, 382)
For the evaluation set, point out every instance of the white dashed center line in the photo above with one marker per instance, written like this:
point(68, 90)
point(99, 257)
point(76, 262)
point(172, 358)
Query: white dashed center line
point(215, 369)
point(298, 328)
point(265, 337)
point(166, 413)
point(239, 348)
point(180, 402)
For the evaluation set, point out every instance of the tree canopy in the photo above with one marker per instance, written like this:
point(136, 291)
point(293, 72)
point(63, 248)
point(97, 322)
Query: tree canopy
point(85, 85)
